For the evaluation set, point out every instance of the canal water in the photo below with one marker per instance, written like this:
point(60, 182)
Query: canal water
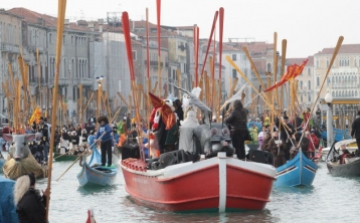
point(331, 199)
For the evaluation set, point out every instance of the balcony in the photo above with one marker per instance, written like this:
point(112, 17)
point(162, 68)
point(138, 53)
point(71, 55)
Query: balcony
point(10, 48)
point(85, 81)
point(63, 81)
point(35, 81)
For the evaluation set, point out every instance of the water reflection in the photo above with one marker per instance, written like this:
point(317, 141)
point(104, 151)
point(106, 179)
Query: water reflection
point(331, 199)
point(96, 189)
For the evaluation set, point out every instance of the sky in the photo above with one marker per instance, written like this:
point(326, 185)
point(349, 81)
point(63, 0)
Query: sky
point(308, 25)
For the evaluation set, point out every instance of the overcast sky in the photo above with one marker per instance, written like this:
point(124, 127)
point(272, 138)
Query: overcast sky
point(308, 25)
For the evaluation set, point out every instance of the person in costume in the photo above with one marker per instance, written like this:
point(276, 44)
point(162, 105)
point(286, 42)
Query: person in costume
point(30, 204)
point(163, 124)
point(187, 127)
point(179, 111)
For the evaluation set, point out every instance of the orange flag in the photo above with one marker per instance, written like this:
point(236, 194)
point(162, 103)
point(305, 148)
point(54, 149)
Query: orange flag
point(292, 72)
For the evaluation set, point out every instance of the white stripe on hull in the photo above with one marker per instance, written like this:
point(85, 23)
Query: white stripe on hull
point(222, 181)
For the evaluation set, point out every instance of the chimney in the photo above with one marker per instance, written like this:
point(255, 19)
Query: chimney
point(67, 23)
point(91, 26)
point(40, 21)
point(133, 26)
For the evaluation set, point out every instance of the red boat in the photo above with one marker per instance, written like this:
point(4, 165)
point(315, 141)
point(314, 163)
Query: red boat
point(216, 184)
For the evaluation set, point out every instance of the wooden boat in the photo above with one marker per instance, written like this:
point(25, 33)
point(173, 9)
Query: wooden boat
point(351, 146)
point(216, 184)
point(300, 171)
point(351, 167)
point(94, 174)
point(65, 151)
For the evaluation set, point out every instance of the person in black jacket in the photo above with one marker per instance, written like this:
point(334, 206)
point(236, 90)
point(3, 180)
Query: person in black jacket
point(236, 121)
point(355, 131)
point(179, 111)
point(286, 132)
point(30, 205)
point(44, 129)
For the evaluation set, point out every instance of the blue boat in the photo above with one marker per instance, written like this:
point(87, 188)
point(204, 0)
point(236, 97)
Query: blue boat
point(300, 171)
point(339, 135)
point(94, 174)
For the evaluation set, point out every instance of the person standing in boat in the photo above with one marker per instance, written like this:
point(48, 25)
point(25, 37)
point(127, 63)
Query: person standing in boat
point(104, 136)
point(30, 205)
point(236, 120)
point(355, 131)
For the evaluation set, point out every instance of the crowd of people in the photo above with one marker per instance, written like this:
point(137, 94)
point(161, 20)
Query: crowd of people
point(284, 138)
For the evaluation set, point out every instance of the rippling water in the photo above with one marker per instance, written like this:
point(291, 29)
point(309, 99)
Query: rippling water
point(331, 199)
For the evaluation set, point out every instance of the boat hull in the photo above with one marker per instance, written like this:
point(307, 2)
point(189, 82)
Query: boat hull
point(300, 171)
point(58, 157)
point(209, 185)
point(90, 176)
point(344, 170)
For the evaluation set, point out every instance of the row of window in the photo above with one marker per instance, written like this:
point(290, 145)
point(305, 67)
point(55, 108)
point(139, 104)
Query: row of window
point(78, 70)
point(342, 62)
point(345, 93)
point(302, 98)
point(36, 38)
point(79, 40)
point(9, 33)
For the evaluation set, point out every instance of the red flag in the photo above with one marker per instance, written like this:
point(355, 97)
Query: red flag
point(292, 72)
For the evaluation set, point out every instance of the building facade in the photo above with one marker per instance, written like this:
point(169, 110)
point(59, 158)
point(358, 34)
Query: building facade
point(10, 43)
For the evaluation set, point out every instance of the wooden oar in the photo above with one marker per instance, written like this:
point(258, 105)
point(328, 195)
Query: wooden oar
point(336, 50)
point(59, 40)
point(77, 158)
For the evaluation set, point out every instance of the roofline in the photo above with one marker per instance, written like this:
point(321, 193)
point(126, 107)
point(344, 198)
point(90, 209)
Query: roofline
point(6, 12)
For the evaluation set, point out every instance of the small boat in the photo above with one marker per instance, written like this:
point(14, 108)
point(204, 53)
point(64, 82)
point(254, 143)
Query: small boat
point(90, 218)
point(94, 174)
point(351, 166)
point(339, 134)
point(217, 184)
point(352, 147)
point(300, 171)
point(65, 151)
point(64, 157)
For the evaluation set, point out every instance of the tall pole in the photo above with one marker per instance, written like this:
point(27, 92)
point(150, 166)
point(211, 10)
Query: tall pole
point(158, 13)
point(329, 126)
point(59, 40)
point(99, 96)
point(221, 32)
